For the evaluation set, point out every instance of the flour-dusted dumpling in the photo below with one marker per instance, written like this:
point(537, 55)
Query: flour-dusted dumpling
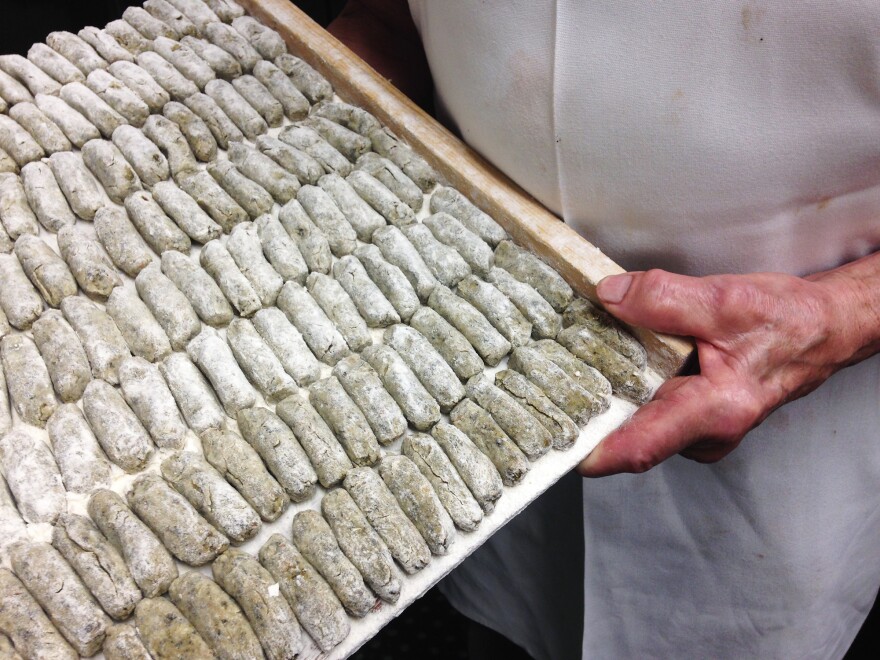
point(168, 634)
point(560, 388)
point(34, 78)
point(171, 16)
point(173, 145)
point(41, 128)
point(45, 269)
point(209, 493)
point(121, 434)
point(141, 83)
point(123, 643)
point(32, 476)
point(224, 130)
point(339, 308)
point(183, 209)
point(21, 303)
point(449, 342)
point(101, 339)
point(63, 355)
point(242, 467)
point(148, 561)
point(142, 154)
point(381, 509)
point(488, 342)
point(98, 564)
point(202, 292)
point(156, 228)
point(418, 406)
point(546, 323)
point(390, 280)
point(76, 51)
point(145, 391)
point(215, 359)
point(193, 394)
point(105, 44)
point(372, 304)
point(72, 123)
point(282, 185)
point(137, 325)
point(326, 454)
point(361, 544)
point(11, 90)
point(386, 144)
point(312, 243)
point(218, 263)
point(397, 250)
point(242, 577)
point(82, 191)
point(305, 168)
point(109, 166)
point(478, 425)
point(329, 219)
point(311, 83)
point(419, 502)
point(119, 96)
point(210, 196)
point(430, 367)
point(127, 37)
point(171, 80)
point(497, 308)
point(260, 99)
point(288, 345)
point(317, 329)
point(224, 65)
point(280, 249)
point(30, 387)
point(280, 451)
point(295, 104)
point(54, 63)
point(563, 430)
point(15, 213)
point(246, 249)
point(582, 312)
point(314, 539)
point(346, 420)
point(27, 625)
point(258, 361)
point(311, 598)
point(445, 262)
point(352, 117)
point(435, 466)
point(365, 388)
point(197, 133)
point(92, 107)
point(227, 38)
point(187, 535)
point(82, 463)
point(307, 140)
point(61, 594)
point(393, 178)
point(360, 215)
point(524, 429)
point(588, 377)
point(474, 250)
point(170, 307)
point(45, 197)
point(220, 622)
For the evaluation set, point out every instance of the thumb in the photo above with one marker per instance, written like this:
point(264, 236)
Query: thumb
point(662, 301)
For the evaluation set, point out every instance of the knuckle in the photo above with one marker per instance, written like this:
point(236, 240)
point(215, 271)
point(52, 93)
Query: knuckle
point(642, 460)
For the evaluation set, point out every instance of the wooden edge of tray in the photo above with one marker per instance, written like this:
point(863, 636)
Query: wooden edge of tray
point(581, 263)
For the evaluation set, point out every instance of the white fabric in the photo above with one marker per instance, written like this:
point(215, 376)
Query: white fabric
point(697, 136)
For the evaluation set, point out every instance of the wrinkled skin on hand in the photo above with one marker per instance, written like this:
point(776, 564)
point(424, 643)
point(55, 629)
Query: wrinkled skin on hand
point(762, 340)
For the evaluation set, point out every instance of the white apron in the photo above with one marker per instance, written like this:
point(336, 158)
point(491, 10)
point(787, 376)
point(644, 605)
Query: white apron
point(702, 137)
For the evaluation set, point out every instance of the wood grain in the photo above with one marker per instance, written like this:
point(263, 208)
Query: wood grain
point(582, 264)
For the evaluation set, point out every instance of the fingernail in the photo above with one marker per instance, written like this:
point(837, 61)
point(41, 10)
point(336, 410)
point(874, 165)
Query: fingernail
point(613, 288)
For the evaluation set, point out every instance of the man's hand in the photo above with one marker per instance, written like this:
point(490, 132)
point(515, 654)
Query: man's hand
point(762, 340)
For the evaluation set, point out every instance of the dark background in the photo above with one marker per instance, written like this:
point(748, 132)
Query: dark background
point(430, 628)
